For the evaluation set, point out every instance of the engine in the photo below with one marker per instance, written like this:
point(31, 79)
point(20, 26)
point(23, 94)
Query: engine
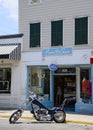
point(42, 111)
point(42, 115)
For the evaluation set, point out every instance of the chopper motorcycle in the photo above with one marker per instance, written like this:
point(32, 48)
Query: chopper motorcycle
point(41, 112)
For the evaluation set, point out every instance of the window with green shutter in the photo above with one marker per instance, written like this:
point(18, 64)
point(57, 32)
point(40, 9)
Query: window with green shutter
point(57, 33)
point(81, 31)
point(35, 35)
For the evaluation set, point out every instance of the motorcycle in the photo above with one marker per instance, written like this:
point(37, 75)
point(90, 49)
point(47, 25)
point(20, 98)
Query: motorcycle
point(41, 112)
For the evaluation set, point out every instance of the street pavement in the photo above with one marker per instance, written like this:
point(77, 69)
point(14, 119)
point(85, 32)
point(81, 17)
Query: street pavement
point(70, 117)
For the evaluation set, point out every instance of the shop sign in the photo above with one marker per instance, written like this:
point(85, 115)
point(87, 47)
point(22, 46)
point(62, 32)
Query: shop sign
point(66, 70)
point(56, 51)
point(53, 67)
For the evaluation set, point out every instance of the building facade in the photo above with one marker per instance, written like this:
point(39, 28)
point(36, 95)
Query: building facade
point(10, 71)
point(56, 50)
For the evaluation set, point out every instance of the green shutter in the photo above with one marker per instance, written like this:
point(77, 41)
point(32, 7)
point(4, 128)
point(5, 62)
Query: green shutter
point(81, 31)
point(56, 33)
point(35, 35)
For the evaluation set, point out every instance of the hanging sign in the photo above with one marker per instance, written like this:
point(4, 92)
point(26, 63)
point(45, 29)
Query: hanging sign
point(53, 67)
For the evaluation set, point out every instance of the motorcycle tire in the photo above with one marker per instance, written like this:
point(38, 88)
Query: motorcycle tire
point(15, 116)
point(60, 117)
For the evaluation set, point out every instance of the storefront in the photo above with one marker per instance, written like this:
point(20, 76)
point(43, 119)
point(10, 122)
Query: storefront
point(44, 82)
point(10, 73)
point(67, 71)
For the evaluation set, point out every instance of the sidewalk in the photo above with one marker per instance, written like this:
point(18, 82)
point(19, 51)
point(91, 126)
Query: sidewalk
point(70, 117)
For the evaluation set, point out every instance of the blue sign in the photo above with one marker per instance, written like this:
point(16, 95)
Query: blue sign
point(56, 51)
point(53, 67)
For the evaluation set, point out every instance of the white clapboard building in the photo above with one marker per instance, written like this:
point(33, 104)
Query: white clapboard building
point(57, 48)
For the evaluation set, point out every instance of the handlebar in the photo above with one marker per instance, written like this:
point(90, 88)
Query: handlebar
point(32, 96)
point(71, 98)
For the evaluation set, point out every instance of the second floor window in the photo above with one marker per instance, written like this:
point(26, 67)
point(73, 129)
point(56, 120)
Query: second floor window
point(56, 33)
point(35, 35)
point(81, 31)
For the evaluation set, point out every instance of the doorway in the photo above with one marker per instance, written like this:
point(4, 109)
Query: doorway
point(67, 85)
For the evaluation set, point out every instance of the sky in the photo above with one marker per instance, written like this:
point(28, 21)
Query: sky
point(8, 17)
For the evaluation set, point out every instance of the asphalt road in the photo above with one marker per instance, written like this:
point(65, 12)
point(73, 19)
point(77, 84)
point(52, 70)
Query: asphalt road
point(27, 124)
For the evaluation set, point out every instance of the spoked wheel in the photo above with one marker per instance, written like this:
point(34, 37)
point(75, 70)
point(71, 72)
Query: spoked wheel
point(59, 117)
point(15, 116)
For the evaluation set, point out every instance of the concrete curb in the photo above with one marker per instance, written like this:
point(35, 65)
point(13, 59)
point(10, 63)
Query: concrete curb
point(24, 117)
point(67, 120)
point(80, 122)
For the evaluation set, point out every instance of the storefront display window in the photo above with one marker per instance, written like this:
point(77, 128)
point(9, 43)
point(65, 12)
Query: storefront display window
point(39, 82)
point(5, 80)
point(86, 86)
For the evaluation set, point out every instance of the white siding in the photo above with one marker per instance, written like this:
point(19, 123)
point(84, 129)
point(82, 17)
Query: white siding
point(11, 100)
point(77, 57)
point(49, 10)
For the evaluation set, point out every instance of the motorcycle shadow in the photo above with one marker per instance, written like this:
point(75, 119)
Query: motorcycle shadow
point(34, 122)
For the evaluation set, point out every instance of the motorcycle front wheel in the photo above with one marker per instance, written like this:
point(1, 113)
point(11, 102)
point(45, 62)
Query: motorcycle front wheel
point(15, 116)
point(60, 117)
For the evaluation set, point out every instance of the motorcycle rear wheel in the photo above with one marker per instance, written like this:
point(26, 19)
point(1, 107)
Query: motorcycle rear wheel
point(15, 116)
point(60, 117)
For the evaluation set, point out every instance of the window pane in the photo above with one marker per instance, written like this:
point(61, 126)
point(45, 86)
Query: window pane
point(56, 33)
point(35, 35)
point(81, 31)
point(39, 82)
point(5, 80)
point(86, 86)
